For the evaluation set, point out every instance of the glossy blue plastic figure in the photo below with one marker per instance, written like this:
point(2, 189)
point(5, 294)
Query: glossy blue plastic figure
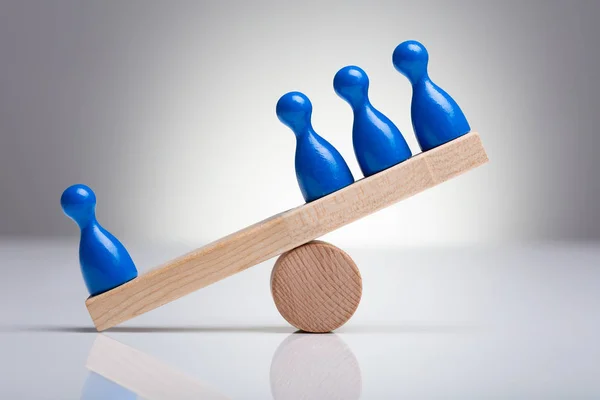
point(436, 117)
point(104, 261)
point(378, 143)
point(320, 168)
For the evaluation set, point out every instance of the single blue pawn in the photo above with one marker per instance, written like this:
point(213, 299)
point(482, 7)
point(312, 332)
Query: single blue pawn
point(436, 117)
point(104, 261)
point(378, 143)
point(320, 168)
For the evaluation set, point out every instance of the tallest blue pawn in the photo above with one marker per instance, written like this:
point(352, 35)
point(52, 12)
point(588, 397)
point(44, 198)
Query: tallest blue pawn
point(105, 263)
point(320, 168)
point(436, 117)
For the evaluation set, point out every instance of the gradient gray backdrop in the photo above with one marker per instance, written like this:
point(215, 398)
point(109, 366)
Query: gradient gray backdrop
point(167, 110)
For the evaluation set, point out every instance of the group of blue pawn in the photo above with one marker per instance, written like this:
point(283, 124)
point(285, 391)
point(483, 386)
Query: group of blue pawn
point(320, 169)
point(378, 143)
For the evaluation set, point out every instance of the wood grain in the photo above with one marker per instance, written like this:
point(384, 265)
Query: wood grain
point(284, 231)
point(316, 287)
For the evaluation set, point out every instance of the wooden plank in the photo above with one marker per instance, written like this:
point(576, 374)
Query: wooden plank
point(144, 375)
point(285, 231)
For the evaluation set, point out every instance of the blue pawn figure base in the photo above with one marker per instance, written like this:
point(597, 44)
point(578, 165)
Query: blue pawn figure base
point(334, 188)
point(378, 143)
point(430, 143)
point(114, 284)
point(436, 117)
point(105, 263)
point(320, 169)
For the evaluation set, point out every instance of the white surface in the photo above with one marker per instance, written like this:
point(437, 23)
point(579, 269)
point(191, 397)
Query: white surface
point(433, 323)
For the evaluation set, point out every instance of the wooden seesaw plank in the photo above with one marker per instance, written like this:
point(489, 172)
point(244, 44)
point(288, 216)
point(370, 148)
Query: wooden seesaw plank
point(284, 231)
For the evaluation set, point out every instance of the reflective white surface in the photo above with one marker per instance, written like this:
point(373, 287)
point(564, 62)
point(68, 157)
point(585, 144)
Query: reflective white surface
point(433, 323)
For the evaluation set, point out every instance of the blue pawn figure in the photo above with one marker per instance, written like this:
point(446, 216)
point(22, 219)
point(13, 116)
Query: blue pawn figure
point(378, 143)
point(104, 261)
point(436, 117)
point(320, 168)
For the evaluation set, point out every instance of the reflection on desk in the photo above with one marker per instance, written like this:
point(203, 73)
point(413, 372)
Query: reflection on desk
point(304, 366)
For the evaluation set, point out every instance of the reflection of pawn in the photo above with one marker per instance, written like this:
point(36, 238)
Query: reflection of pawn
point(97, 387)
point(436, 117)
point(320, 169)
point(378, 143)
point(104, 261)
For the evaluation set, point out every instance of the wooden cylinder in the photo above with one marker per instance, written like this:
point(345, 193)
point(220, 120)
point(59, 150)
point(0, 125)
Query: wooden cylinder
point(316, 287)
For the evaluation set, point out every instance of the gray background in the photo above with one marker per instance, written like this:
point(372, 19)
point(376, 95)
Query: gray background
point(167, 110)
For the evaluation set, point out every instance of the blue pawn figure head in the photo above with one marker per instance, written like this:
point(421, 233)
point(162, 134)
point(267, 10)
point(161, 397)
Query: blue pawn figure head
point(294, 110)
point(351, 83)
point(79, 203)
point(410, 58)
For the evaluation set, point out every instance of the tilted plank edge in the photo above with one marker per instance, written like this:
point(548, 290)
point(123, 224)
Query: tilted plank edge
point(285, 231)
